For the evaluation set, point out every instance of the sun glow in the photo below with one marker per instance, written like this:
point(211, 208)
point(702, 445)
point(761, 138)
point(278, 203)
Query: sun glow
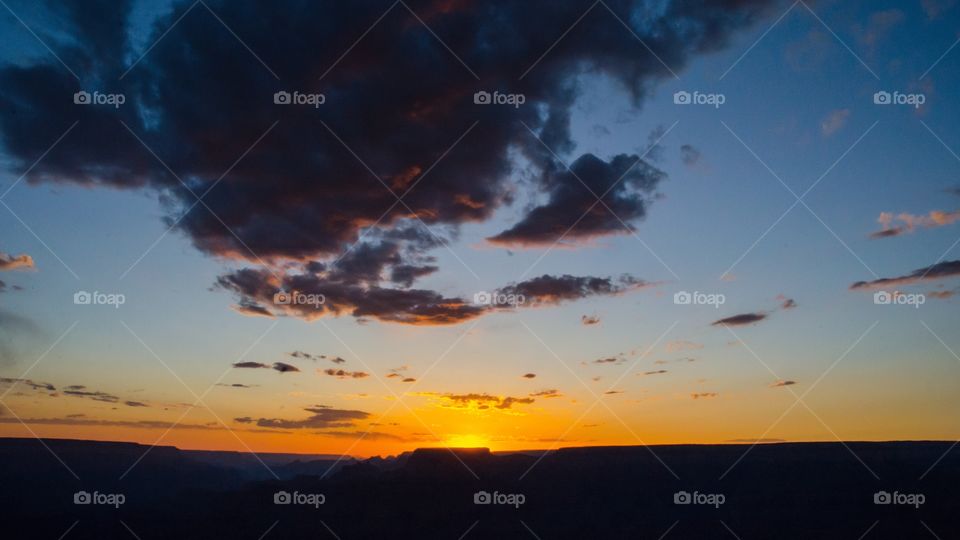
point(467, 440)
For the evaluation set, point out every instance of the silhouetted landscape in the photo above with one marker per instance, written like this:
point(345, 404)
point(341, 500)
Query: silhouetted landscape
point(786, 490)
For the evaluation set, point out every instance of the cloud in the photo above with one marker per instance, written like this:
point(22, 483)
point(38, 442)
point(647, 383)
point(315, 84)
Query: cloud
point(609, 360)
point(237, 385)
point(704, 395)
point(908, 223)
point(322, 417)
point(529, 375)
point(341, 374)
point(940, 270)
point(689, 155)
point(15, 262)
point(311, 181)
point(786, 303)
point(834, 122)
point(655, 372)
point(546, 394)
point(74, 420)
point(572, 212)
point(612, 392)
point(589, 320)
point(782, 383)
point(81, 391)
point(135, 404)
point(28, 382)
point(283, 367)
point(741, 320)
point(549, 290)
point(250, 365)
point(476, 401)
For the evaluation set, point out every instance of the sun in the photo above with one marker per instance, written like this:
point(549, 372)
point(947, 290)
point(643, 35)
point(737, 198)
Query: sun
point(467, 440)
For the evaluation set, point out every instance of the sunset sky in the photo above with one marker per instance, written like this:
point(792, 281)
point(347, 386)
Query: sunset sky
point(495, 198)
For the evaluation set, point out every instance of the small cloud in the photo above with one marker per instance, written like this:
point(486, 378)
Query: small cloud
point(236, 385)
point(940, 270)
point(612, 392)
point(704, 395)
point(15, 262)
point(655, 372)
point(250, 365)
point(740, 320)
point(834, 122)
point(904, 223)
point(342, 374)
point(689, 155)
point(589, 320)
point(409, 380)
point(783, 383)
point(609, 360)
point(135, 404)
point(786, 303)
point(529, 375)
point(547, 394)
point(283, 367)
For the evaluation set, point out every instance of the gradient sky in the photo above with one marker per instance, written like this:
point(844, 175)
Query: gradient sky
point(799, 96)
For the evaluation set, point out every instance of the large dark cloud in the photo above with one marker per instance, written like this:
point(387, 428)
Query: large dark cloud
point(398, 99)
point(321, 417)
point(940, 270)
point(548, 289)
point(741, 320)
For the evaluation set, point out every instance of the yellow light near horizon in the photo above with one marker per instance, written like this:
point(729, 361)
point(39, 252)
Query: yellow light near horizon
point(467, 441)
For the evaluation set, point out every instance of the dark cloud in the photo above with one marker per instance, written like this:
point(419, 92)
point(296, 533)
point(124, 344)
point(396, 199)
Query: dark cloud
point(81, 391)
point(689, 155)
point(135, 404)
point(237, 385)
point(782, 383)
point(478, 401)
point(321, 417)
point(589, 320)
point(315, 357)
point(283, 367)
point(299, 195)
point(28, 382)
point(612, 392)
point(548, 289)
point(741, 320)
point(704, 395)
point(940, 270)
point(341, 374)
point(655, 372)
point(529, 375)
point(787, 303)
point(610, 360)
point(15, 262)
point(572, 212)
point(547, 394)
point(250, 365)
point(408, 380)
point(80, 420)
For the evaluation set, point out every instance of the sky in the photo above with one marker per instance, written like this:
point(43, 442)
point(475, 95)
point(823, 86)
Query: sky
point(813, 224)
